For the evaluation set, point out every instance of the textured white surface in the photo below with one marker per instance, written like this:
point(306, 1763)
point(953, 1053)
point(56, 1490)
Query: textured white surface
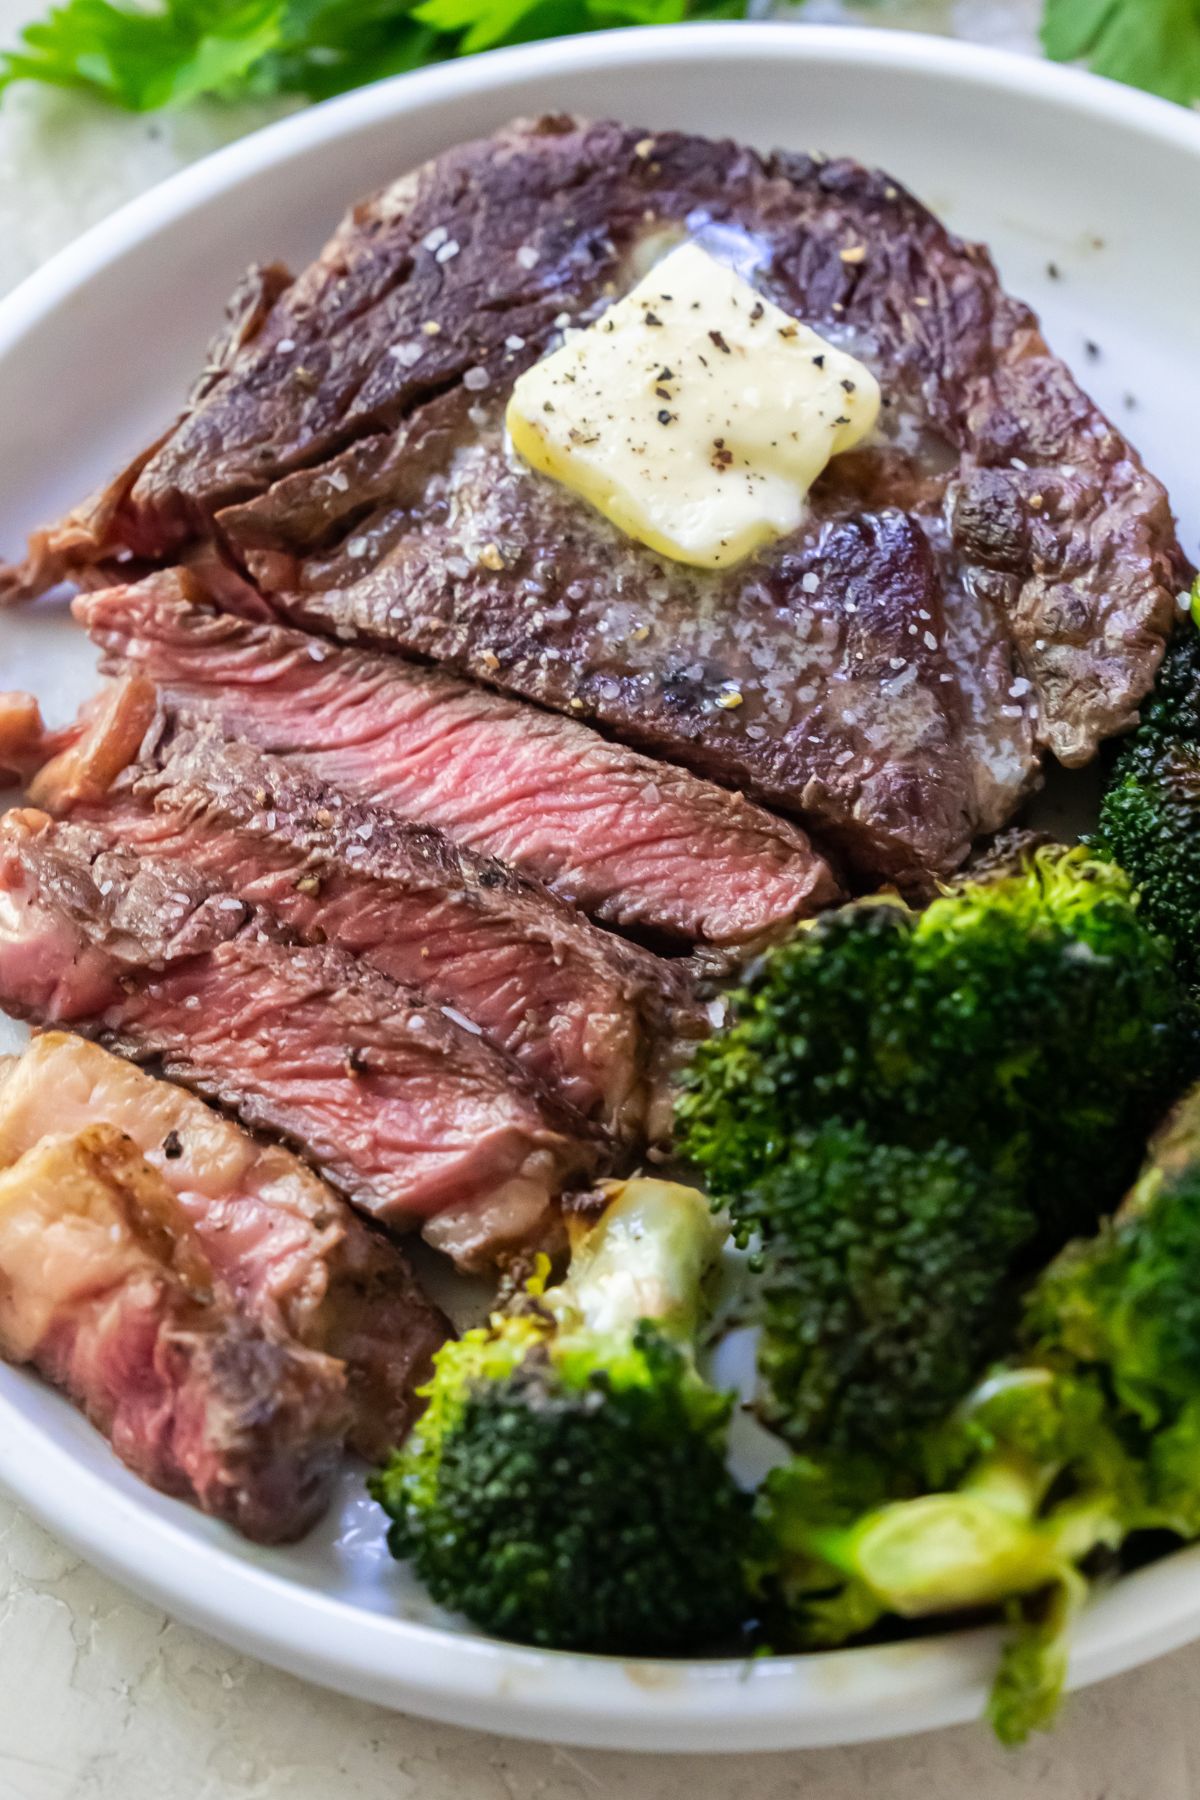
point(101, 1698)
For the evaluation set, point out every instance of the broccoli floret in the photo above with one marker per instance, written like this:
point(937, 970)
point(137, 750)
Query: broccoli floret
point(1033, 1018)
point(567, 1484)
point(884, 1287)
point(1173, 710)
point(1150, 813)
point(1089, 1433)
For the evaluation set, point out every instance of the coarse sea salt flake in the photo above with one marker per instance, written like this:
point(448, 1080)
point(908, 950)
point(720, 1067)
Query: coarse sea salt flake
point(458, 1018)
point(407, 354)
point(513, 342)
point(433, 240)
point(284, 345)
point(447, 251)
point(356, 546)
point(811, 582)
point(476, 379)
point(527, 256)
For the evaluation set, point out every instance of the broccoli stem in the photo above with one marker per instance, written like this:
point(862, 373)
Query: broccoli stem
point(645, 1258)
point(978, 1546)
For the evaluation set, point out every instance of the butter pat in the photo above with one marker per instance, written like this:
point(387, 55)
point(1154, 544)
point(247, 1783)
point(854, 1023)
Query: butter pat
point(694, 413)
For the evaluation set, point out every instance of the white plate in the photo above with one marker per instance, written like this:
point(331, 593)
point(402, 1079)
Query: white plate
point(1090, 197)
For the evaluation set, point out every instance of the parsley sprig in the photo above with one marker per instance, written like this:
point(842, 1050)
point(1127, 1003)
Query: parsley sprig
point(144, 59)
point(145, 54)
point(1153, 44)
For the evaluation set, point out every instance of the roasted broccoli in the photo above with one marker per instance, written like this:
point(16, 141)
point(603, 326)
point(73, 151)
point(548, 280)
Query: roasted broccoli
point(567, 1484)
point(1034, 1019)
point(1150, 814)
point(883, 1287)
point(1090, 1432)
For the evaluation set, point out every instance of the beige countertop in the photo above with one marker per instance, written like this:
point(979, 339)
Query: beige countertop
point(103, 1698)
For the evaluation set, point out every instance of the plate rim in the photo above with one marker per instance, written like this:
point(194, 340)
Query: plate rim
point(825, 1698)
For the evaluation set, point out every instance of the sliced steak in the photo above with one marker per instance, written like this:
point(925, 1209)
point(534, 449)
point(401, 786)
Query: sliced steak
point(633, 842)
point(291, 1251)
point(105, 1289)
point(585, 1013)
point(415, 1119)
point(994, 574)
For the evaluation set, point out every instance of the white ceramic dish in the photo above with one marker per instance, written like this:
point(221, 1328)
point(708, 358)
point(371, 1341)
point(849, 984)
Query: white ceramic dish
point(1090, 197)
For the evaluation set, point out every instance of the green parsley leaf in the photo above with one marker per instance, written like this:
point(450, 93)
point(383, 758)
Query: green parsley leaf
point(1153, 44)
point(142, 58)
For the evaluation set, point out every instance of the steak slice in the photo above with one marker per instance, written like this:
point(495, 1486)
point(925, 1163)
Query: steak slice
point(107, 1292)
point(585, 1013)
point(413, 1118)
point(993, 574)
point(296, 1258)
point(635, 843)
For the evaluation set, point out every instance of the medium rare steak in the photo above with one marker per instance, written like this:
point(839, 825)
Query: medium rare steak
point(290, 1250)
point(105, 1289)
point(633, 842)
point(584, 1012)
point(417, 1120)
point(994, 574)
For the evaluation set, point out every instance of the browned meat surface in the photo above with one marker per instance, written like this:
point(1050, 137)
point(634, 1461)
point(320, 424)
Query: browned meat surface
point(587, 1014)
point(22, 736)
point(634, 842)
point(107, 1291)
point(290, 1250)
point(414, 1118)
point(993, 575)
point(95, 746)
point(70, 545)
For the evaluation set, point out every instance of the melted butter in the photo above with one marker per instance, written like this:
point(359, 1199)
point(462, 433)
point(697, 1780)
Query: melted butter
point(694, 413)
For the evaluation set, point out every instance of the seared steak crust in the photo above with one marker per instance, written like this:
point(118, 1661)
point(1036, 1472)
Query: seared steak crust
point(993, 576)
point(297, 1259)
point(410, 1115)
point(105, 1289)
point(634, 842)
